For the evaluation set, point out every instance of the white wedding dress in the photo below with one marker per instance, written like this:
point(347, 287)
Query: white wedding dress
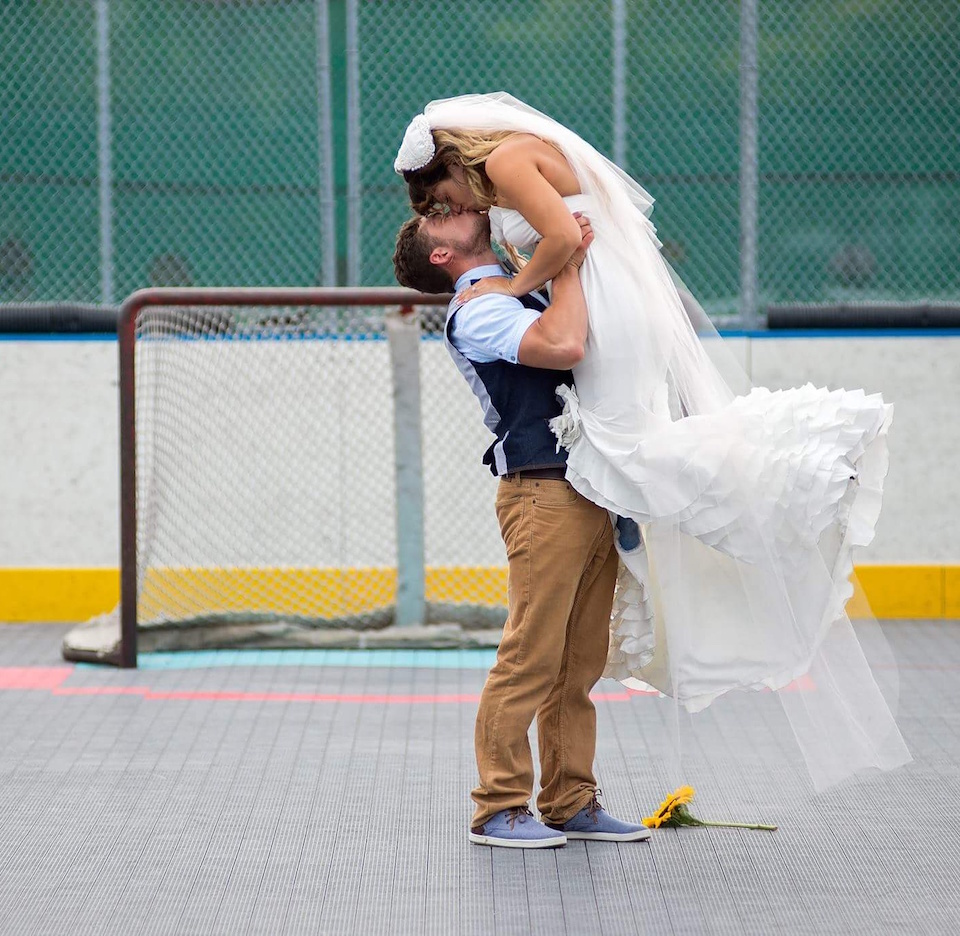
point(749, 502)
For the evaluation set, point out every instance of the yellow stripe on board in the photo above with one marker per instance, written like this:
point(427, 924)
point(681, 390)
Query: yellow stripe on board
point(57, 595)
point(64, 595)
point(184, 593)
point(951, 591)
point(900, 592)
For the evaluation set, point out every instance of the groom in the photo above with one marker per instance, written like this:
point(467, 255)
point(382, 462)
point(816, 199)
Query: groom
point(514, 353)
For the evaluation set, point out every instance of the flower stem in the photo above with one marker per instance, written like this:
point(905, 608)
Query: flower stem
point(740, 825)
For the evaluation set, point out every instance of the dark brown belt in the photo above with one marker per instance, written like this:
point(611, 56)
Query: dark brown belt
point(552, 474)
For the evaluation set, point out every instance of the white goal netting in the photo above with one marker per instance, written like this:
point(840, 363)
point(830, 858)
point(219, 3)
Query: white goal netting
point(266, 493)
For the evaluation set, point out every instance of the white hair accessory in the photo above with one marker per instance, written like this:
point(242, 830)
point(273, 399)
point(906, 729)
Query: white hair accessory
point(417, 148)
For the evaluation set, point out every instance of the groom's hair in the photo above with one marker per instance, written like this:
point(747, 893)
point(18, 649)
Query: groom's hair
point(411, 260)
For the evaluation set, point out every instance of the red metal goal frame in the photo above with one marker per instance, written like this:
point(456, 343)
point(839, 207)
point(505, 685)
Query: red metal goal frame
point(406, 300)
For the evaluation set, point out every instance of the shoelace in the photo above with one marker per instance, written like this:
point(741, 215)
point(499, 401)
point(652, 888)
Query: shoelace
point(593, 807)
point(518, 812)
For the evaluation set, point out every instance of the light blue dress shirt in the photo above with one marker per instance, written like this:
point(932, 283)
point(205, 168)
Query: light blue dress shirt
point(490, 327)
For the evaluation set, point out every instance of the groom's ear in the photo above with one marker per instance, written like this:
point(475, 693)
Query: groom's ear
point(441, 255)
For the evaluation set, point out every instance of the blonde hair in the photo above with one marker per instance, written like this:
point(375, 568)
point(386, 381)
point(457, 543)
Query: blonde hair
point(470, 150)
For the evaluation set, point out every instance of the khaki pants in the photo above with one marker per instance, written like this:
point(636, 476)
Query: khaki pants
point(562, 573)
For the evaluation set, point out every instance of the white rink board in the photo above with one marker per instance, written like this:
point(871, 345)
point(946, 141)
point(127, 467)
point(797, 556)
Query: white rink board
point(59, 463)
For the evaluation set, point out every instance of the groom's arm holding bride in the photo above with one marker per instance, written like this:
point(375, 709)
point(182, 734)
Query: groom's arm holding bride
point(556, 339)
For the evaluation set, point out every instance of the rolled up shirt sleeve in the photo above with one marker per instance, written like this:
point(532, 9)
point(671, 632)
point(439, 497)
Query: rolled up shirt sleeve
point(491, 327)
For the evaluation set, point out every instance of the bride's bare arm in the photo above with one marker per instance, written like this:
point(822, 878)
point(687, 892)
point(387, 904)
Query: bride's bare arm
point(514, 170)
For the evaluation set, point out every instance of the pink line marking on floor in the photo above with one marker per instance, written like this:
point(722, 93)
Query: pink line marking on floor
point(102, 690)
point(33, 677)
point(801, 684)
point(51, 679)
point(227, 695)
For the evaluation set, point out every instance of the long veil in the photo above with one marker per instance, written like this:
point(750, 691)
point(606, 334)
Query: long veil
point(748, 502)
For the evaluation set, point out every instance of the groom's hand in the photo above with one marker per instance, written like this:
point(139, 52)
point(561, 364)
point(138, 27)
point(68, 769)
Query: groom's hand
point(586, 239)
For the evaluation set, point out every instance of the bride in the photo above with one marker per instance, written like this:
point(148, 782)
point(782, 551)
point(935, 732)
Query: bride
point(739, 507)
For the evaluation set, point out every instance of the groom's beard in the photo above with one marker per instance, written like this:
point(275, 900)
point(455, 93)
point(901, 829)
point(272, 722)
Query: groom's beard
point(479, 243)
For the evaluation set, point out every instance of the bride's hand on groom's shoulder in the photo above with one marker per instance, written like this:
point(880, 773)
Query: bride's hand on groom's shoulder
point(489, 284)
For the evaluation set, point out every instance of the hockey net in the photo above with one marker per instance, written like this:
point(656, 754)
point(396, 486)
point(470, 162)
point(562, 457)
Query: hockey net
point(265, 440)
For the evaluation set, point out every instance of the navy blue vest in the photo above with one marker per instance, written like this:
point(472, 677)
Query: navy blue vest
point(517, 403)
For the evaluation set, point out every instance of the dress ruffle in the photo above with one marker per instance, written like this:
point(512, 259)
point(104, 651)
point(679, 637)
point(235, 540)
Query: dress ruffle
point(817, 458)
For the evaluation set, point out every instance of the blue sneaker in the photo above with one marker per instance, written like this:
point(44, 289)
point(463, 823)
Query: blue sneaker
point(516, 828)
point(594, 823)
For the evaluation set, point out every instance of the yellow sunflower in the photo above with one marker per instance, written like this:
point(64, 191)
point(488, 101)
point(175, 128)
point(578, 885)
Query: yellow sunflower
point(673, 813)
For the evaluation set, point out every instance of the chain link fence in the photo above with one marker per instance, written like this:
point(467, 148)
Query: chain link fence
point(251, 143)
point(554, 56)
point(860, 151)
point(169, 143)
point(859, 195)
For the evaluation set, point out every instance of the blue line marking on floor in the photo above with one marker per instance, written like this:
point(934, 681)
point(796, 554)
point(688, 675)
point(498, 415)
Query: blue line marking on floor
point(475, 658)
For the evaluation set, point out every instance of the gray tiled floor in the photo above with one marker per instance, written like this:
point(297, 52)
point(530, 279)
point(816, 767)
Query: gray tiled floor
point(223, 800)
